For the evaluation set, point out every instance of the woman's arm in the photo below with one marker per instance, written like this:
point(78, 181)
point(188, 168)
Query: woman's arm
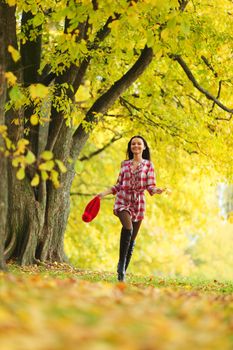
point(105, 193)
point(151, 182)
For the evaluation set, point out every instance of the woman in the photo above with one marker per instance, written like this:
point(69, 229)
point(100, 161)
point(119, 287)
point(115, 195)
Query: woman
point(136, 176)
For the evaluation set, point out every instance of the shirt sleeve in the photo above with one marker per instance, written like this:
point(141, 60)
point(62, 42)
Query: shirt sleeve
point(151, 182)
point(117, 186)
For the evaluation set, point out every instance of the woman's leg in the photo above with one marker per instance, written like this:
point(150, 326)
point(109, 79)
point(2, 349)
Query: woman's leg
point(126, 233)
point(125, 219)
point(136, 227)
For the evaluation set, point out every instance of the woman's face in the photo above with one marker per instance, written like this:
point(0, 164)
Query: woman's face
point(137, 146)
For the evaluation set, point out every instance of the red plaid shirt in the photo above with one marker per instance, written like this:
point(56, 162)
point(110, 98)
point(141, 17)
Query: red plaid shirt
point(130, 188)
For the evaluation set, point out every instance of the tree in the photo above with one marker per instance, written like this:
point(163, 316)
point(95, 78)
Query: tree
point(3, 183)
point(52, 49)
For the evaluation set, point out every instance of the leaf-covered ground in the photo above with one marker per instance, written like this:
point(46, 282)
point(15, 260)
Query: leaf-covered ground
point(65, 308)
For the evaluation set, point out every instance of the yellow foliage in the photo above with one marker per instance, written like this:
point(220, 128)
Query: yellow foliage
point(68, 311)
point(30, 157)
point(48, 165)
point(35, 181)
point(61, 166)
point(11, 2)
point(44, 175)
point(34, 119)
point(14, 53)
point(54, 178)
point(11, 78)
point(21, 146)
point(20, 174)
point(46, 155)
point(3, 130)
point(38, 91)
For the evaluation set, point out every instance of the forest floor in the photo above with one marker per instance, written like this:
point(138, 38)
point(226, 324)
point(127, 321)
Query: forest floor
point(56, 307)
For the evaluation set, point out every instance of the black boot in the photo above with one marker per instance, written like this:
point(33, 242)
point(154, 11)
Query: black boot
point(124, 247)
point(130, 252)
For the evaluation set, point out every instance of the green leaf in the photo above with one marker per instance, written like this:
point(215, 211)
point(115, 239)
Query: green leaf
point(38, 19)
point(15, 94)
point(30, 158)
point(171, 23)
point(78, 166)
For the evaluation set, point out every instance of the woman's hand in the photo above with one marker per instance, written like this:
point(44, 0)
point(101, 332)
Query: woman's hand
point(161, 190)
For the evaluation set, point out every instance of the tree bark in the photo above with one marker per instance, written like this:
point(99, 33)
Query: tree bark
point(3, 163)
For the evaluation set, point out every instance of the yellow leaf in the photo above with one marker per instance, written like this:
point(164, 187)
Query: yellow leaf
point(11, 2)
point(54, 177)
point(61, 166)
point(3, 129)
point(49, 165)
point(11, 78)
point(8, 143)
point(46, 155)
point(15, 121)
point(20, 174)
point(38, 91)
point(44, 175)
point(15, 162)
point(34, 119)
point(35, 181)
point(21, 145)
point(165, 34)
point(230, 217)
point(14, 53)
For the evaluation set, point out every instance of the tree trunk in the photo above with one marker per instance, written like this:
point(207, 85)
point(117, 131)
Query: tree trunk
point(3, 165)
point(37, 217)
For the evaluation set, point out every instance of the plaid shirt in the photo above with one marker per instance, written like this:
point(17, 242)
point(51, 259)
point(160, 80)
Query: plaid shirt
point(130, 188)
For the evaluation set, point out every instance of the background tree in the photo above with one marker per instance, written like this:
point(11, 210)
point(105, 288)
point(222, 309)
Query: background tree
point(59, 49)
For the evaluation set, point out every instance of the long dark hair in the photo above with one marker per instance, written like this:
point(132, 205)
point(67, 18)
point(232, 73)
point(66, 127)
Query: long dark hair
point(145, 153)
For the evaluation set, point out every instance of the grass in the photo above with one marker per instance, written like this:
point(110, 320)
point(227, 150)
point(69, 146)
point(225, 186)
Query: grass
point(66, 271)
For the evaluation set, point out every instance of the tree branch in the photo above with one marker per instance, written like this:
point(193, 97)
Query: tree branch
point(92, 154)
point(74, 76)
point(194, 99)
point(89, 195)
point(104, 102)
point(31, 56)
point(208, 64)
point(191, 77)
point(100, 36)
point(128, 105)
point(183, 4)
point(218, 95)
